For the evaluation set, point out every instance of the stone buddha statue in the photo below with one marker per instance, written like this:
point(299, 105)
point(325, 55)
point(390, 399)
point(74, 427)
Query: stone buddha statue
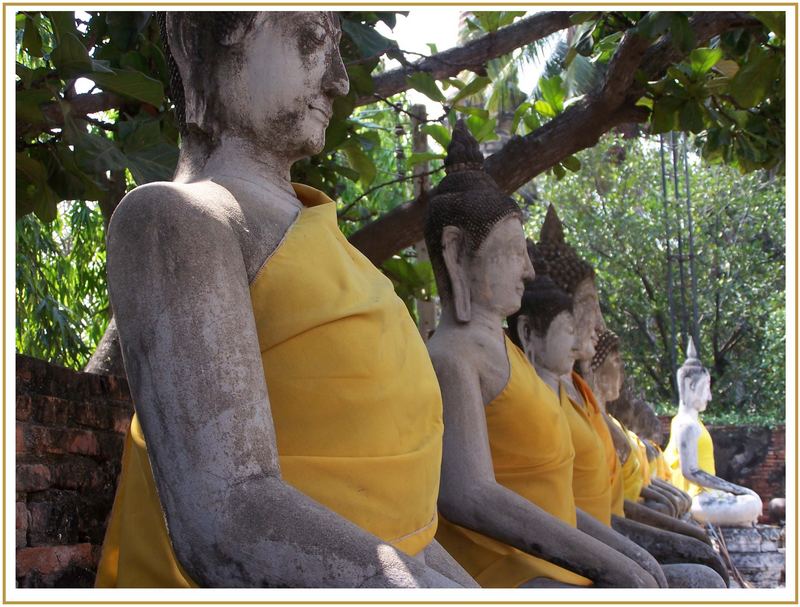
point(507, 511)
point(690, 455)
point(607, 375)
point(548, 333)
point(575, 277)
point(288, 420)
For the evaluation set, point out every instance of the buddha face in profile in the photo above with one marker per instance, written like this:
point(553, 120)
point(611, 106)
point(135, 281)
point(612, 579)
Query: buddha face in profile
point(608, 377)
point(270, 78)
point(697, 390)
point(555, 350)
point(587, 318)
point(498, 269)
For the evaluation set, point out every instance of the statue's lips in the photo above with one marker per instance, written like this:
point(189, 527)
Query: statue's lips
point(322, 111)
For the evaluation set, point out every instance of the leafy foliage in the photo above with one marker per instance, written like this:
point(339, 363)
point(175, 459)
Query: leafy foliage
point(614, 215)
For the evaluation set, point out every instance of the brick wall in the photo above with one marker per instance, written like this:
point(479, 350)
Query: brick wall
point(751, 456)
point(69, 436)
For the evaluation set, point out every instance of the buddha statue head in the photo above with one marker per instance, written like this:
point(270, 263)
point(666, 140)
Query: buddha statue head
point(474, 235)
point(607, 368)
point(573, 275)
point(694, 381)
point(544, 327)
point(223, 87)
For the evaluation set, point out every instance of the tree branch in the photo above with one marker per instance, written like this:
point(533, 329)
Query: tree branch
point(578, 127)
point(472, 55)
point(79, 105)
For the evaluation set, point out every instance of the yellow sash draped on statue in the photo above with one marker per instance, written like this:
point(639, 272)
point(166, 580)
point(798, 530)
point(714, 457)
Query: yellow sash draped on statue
point(631, 473)
point(705, 459)
point(601, 427)
point(641, 454)
point(662, 468)
point(532, 455)
point(591, 483)
point(353, 394)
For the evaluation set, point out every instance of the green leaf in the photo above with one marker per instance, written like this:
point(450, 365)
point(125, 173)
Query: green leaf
point(29, 102)
point(703, 59)
point(774, 20)
point(70, 57)
point(571, 163)
point(131, 83)
point(440, 133)
point(360, 79)
point(481, 129)
point(473, 111)
point(578, 18)
point(425, 84)
point(682, 33)
point(32, 190)
point(360, 162)
point(552, 91)
point(31, 39)
point(518, 114)
point(544, 108)
point(472, 88)
point(63, 23)
point(559, 171)
point(368, 41)
point(753, 81)
point(654, 23)
point(420, 157)
point(665, 114)
point(691, 117)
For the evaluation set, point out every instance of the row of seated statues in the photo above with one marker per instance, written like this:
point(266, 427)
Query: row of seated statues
point(292, 429)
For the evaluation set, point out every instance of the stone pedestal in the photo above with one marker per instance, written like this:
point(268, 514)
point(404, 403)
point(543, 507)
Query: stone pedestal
point(758, 553)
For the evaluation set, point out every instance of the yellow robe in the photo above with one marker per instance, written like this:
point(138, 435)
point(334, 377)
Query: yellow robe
point(705, 459)
point(641, 453)
point(353, 395)
point(601, 427)
point(591, 483)
point(532, 455)
point(662, 468)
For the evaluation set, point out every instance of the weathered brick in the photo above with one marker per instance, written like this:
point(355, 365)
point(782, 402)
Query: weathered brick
point(20, 438)
point(50, 560)
point(68, 517)
point(22, 525)
point(33, 476)
point(24, 406)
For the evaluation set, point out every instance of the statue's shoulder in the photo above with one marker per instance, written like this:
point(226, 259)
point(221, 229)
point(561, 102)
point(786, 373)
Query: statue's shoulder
point(186, 207)
point(452, 355)
point(686, 426)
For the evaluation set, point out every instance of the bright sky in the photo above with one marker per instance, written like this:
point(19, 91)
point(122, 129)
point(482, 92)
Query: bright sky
point(440, 26)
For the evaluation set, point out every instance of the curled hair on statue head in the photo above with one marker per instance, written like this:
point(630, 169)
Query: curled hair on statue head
point(468, 199)
point(559, 259)
point(542, 301)
point(607, 344)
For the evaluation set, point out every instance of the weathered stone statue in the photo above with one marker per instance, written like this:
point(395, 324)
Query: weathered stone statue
point(288, 420)
point(553, 256)
point(690, 454)
point(607, 373)
point(507, 511)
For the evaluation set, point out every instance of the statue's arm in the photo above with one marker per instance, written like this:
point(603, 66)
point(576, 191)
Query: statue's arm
point(652, 495)
point(620, 440)
point(684, 499)
point(181, 298)
point(470, 496)
point(688, 435)
point(648, 516)
point(591, 526)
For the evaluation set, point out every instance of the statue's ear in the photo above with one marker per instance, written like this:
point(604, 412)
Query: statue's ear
point(455, 260)
point(524, 329)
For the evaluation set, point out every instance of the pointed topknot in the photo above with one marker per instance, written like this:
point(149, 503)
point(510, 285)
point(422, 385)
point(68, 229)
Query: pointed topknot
point(463, 153)
point(552, 230)
point(691, 350)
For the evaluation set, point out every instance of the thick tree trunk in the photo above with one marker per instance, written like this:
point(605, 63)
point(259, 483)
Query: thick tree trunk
point(107, 357)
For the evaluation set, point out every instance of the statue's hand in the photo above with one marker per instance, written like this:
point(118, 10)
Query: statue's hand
point(624, 573)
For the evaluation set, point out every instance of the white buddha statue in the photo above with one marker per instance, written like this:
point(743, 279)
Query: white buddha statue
point(690, 455)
